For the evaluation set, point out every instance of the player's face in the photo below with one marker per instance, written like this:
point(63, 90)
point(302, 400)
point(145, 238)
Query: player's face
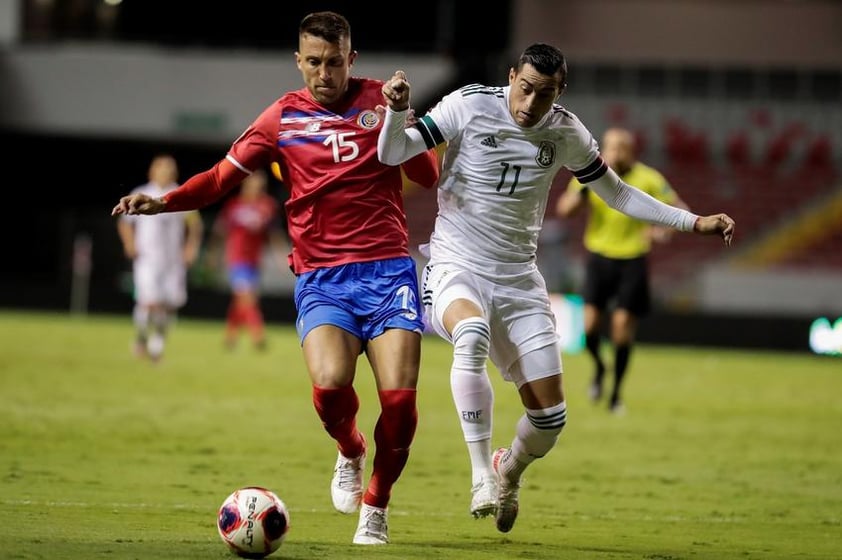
point(325, 67)
point(163, 171)
point(254, 185)
point(618, 150)
point(532, 94)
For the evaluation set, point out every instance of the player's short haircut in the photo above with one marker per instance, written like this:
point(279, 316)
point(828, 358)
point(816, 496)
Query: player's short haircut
point(330, 26)
point(546, 59)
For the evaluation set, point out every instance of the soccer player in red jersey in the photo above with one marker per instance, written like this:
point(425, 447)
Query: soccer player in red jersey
point(356, 284)
point(246, 224)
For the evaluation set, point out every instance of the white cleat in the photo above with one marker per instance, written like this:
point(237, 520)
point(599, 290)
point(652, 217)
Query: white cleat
point(346, 487)
point(155, 347)
point(484, 497)
point(373, 527)
point(507, 494)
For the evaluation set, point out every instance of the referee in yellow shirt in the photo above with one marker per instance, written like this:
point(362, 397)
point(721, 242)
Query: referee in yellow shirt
point(616, 272)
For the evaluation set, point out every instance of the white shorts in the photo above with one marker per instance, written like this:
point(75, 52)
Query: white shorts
point(524, 340)
point(158, 284)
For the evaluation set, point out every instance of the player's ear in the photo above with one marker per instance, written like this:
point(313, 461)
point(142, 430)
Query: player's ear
point(512, 75)
point(298, 60)
point(351, 58)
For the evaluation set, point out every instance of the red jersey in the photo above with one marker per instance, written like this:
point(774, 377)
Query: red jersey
point(345, 206)
point(246, 224)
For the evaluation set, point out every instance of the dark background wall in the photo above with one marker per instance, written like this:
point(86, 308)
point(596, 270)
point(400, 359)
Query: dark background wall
point(61, 184)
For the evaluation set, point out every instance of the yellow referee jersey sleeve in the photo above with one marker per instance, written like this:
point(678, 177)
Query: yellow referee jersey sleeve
point(613, 234)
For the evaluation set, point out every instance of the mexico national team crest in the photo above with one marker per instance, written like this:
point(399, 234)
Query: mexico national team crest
point(368, 119)
point(546, 154)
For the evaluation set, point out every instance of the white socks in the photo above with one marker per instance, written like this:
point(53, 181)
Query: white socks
point(472, 391)
point(537, 432)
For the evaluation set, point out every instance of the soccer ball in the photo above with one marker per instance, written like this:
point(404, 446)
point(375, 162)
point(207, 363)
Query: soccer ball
point(253, 522)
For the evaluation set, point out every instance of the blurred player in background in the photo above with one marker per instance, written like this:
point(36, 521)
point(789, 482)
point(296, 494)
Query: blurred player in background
point(356, 284)
point(482, 288)
point(616, 270)
point(246, 224)
point(160, 248)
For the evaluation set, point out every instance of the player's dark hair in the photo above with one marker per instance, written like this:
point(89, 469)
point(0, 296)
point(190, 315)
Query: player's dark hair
point(546, 59)
point(330, 26)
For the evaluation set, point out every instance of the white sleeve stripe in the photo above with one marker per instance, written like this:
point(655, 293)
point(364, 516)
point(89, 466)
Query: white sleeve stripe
point(238, 165)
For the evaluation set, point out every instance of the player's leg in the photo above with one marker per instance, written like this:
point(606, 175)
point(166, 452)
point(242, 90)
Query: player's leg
point(153, 288)
point(395, 358)
point(143, 293)
point(247, 287)
point(234, 316)
point(633, 301)
point(233, 320)
point(244, 309)
point(252, 316)
point(456, 313)
point(525, 347)
point(170, 295)
point(158, 321)
point(256, 321)
point(330, 354)
point(539, 380)
point(390, 298)
point(593, 342)
point(331, 343)
point(140, 318)
point(595, 295)
point(623, 329)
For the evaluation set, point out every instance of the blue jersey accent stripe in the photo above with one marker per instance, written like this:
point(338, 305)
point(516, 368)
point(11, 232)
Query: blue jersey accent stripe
point(301, 140)
point(303, 114)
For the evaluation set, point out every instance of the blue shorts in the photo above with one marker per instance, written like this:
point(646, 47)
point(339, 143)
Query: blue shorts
point(243, 277)
point(364, 299)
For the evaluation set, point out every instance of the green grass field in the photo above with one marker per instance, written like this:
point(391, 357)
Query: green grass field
point(722, 454)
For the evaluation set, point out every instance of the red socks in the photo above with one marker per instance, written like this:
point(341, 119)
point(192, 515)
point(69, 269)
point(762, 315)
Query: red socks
point(337, 409)
point(247, 314)
point(393, 436)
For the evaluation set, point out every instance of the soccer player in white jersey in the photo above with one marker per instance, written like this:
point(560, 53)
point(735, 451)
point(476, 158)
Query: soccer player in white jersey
point(161, 247)
point(481, 287)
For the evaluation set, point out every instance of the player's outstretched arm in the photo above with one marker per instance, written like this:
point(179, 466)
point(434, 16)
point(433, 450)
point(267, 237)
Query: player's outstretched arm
point(635, 203)
point(198, 191)
point(716, 224)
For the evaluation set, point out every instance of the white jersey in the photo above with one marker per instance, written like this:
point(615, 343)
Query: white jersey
point(159, 238)
point(159, 271)
point(496, 177)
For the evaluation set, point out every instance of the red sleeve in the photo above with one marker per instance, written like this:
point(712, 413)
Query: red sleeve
point(204, 188)
point(423, 168)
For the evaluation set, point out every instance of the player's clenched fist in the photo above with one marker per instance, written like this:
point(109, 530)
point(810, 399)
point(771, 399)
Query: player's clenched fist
point(396, 91)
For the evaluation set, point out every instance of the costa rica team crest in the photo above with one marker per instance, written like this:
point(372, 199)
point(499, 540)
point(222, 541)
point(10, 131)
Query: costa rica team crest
point(368, 119)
